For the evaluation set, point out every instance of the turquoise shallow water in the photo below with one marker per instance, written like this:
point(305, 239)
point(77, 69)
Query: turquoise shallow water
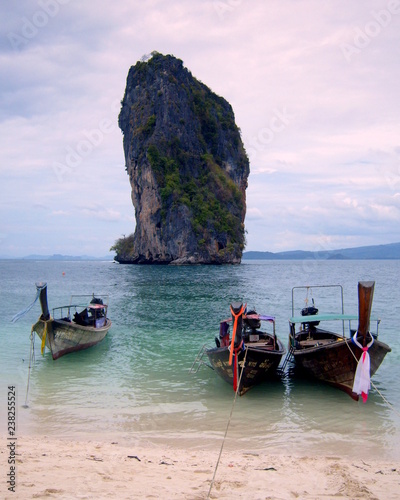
point(136, 384)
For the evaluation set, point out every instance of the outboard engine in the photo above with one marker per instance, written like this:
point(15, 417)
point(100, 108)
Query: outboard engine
point(250, 323)
point(310, 311)
point(96, 300)
point(99, 302)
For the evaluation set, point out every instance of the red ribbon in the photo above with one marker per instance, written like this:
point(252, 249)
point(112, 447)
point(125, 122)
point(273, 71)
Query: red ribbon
point(236, 317)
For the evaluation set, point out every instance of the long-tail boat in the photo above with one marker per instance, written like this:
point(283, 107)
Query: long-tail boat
point(252, 355)
point(79, 325)
point(321, 347)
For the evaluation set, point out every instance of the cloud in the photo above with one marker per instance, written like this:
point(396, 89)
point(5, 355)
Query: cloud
point(101, 213)
point(313, 86)
point(254, 213)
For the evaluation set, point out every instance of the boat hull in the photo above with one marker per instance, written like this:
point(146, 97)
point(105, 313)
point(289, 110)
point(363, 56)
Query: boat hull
point(260, 365)
point(336, 362)
point(64, 337)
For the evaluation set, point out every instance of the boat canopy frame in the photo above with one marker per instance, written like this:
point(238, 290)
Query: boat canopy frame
point(256, 316)
point(328, 316)
point(309, 287)
point(74, 307)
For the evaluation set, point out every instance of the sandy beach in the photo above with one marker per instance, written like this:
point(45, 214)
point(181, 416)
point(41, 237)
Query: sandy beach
point(65, 469)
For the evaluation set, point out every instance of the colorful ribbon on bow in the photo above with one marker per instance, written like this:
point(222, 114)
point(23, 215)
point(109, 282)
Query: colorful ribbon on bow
point(235, 350)
point(44, 338)
point(236, 317)
point(235, 366)
point(362, 377)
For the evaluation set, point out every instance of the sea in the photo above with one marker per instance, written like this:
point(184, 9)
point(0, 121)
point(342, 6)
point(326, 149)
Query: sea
point(141, 383)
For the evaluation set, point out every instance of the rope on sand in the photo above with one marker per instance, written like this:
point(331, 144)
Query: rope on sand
point(227, 426)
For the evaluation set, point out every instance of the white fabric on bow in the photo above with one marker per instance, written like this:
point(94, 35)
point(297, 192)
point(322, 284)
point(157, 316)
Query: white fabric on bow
point(362, 378)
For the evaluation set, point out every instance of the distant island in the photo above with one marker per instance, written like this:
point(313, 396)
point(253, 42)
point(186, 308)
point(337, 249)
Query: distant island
point(383, 252)
point(390, 251)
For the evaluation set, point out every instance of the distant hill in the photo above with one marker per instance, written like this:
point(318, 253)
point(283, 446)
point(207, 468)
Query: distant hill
point(390, 251)
point(60, 257)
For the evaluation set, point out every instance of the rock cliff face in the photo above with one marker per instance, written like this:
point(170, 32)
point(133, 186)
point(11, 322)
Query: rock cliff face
point(187, 168)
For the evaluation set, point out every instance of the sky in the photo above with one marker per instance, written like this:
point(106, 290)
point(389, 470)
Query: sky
point(314, 86)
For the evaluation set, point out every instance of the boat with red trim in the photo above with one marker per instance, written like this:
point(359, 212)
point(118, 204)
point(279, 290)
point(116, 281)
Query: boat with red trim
point(326, 347)
point(252, 355)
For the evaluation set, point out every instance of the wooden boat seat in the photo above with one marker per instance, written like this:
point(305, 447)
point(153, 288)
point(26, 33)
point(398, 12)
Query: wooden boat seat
point(261, 343)
point(315, 342)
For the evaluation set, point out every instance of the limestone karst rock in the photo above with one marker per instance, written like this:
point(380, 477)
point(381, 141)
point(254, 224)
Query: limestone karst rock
point(187, 168)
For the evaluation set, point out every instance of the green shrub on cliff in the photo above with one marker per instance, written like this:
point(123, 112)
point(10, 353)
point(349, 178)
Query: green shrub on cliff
point(123, 246)
point(214, 200)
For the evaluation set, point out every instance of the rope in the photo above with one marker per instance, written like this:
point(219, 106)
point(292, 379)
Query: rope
point(31, 357)
point(227, 426)
point(385, 400)
point(27, 309)
point(373, 385)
